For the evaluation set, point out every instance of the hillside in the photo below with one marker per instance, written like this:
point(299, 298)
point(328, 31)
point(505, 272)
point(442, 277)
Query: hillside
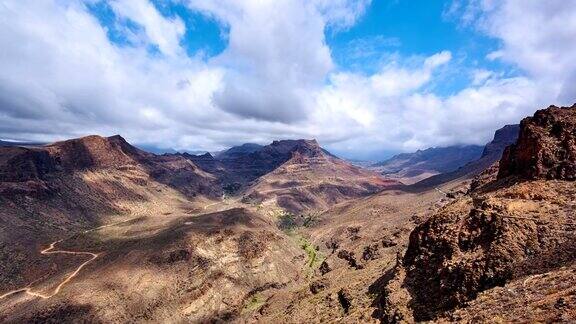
point(51, 190)
point(517, 226)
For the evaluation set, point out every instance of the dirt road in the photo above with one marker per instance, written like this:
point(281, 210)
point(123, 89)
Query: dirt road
point(50, 250)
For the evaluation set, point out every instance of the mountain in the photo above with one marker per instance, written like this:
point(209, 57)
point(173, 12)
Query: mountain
point(97, 230)
point(515, 231)
point(238, 151)
point(307, 177)
point(413, 167)
point(140, 216)
point(205, 161)
point(491, 154)
point(12, 143)
point(66, 186)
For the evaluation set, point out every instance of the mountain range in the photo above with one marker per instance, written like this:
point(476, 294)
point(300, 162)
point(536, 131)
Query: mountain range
point(422, 164)
point(95, 229)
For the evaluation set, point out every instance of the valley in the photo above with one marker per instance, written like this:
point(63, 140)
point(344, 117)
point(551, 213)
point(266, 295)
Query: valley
point(96, 230)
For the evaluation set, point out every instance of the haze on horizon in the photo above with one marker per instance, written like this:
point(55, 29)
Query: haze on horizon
point(362, 77)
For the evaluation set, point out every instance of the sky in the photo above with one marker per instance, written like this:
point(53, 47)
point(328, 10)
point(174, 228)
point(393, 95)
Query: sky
point(366, 78)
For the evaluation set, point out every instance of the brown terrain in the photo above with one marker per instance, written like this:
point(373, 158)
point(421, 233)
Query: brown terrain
point(95, 230)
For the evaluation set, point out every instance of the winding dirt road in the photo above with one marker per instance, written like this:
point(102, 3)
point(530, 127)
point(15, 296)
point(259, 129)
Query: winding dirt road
point(50, 250)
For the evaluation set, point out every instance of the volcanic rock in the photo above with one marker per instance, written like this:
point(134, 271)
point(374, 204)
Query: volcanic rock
point(546, 147)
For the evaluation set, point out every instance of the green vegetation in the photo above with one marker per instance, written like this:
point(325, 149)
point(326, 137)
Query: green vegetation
point(314, 257)
point(310, 218)
point(254, 303)
point(290, 223)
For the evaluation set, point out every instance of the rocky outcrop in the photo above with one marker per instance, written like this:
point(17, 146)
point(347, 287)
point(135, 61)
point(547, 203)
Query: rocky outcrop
point(24, 164)
point(546, 148)
point(500, 231)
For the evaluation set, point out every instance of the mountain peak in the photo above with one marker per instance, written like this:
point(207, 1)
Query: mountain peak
point(93, 151)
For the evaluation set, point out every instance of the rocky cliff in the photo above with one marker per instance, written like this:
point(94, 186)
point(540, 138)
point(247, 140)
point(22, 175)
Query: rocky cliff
point(501, 231)
point(546, 148)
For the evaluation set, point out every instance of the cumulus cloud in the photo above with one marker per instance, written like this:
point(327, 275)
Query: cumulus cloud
point(394, 109)
point(160, 31)
point(536, 36)
point(62, 76)
point(276, 54)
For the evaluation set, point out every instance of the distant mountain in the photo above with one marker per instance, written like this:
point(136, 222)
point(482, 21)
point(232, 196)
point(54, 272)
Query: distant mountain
point(412, 167)
point(491, 154)
point(237, 151)
point(160, 150)
point(13, 143)
point(291, 174)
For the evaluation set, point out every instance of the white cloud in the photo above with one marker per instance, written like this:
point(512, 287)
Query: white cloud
point(537, 36)
point(392, 109)
point(60, 76)
point(480, 76)
point(276, 54)
point(163, 32)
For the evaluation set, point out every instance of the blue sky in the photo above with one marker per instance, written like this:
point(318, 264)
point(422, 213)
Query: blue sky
point(364, 77)
point(399, 27)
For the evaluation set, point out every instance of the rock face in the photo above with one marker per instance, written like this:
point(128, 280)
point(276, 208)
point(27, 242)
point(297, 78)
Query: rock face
point(546, 148)
point(503, 137)
point(500, 231)
point(23, 164)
